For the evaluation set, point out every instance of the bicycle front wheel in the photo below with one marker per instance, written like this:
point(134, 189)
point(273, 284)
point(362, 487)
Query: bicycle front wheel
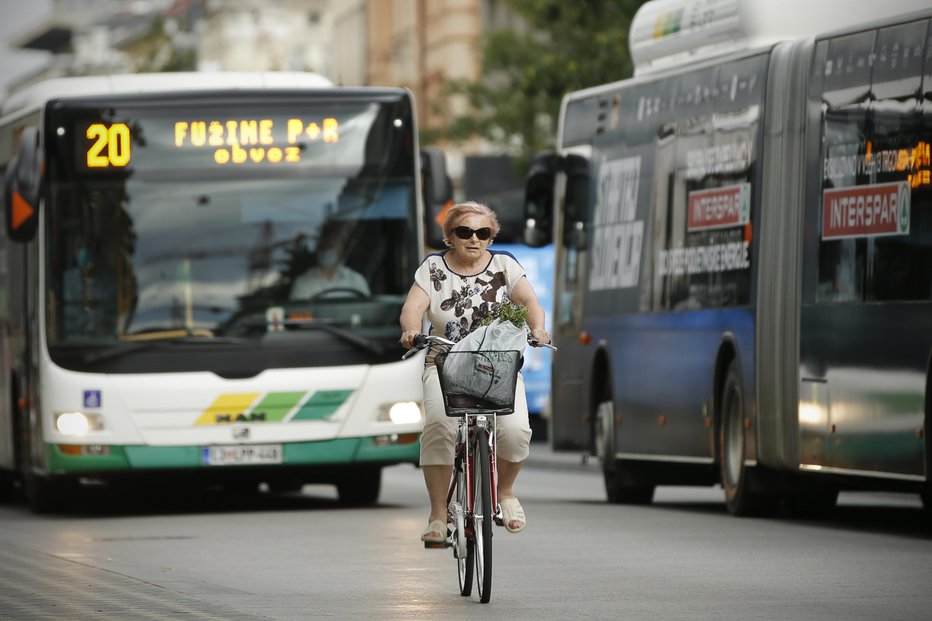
point(483, 513)
point(464, 548)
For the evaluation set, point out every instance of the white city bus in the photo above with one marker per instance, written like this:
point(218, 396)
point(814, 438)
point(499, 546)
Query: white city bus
point(744, 254)
point(149, 324)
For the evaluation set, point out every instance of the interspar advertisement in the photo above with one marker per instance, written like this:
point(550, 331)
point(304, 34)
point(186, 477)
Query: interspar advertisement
point(719, 208)
point(866, 211)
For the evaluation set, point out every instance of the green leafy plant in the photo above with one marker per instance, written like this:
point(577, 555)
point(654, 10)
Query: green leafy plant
point(508, 311)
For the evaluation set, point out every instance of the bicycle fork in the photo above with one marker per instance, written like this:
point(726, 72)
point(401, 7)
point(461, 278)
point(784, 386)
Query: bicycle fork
point(477, 428)
point(482, 429)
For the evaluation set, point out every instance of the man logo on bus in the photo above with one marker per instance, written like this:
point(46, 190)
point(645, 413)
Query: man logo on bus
point(240, 417)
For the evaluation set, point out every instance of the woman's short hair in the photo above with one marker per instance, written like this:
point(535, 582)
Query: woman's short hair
point(457, 212)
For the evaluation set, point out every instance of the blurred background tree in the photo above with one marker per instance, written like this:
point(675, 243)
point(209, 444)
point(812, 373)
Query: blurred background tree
point(515, 102)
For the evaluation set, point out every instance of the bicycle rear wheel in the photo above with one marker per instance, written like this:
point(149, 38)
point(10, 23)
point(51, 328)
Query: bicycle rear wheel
point(464, 548)
point(483, 513)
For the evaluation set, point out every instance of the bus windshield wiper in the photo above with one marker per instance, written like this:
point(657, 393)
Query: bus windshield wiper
point(151, 340)
point(350, 337)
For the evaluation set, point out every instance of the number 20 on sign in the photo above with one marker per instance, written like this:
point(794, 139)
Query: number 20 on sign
point(111, 147)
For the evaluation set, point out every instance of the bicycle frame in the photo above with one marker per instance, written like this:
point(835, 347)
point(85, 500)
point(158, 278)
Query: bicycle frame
point(473, 427)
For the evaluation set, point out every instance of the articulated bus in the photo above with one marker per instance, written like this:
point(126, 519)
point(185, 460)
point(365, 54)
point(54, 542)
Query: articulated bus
point(166, 309)
point(743, 233)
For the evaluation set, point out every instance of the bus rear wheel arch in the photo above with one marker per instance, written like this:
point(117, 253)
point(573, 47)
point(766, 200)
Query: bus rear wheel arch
point(621, 487)
point(737, 479)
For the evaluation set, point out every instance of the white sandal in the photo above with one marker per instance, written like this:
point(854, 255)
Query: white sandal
point(435, 533)
point(512, 511)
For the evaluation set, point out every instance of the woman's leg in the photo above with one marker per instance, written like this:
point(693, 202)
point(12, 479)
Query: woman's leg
point(507, 473)
point(513, 445)
point(437, 442)
point(437, 479)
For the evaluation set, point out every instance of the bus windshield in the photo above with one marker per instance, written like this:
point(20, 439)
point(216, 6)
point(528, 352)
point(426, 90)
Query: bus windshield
point(265, 224)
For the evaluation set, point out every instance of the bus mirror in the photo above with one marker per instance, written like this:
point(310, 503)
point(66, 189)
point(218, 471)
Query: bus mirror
point(22, 187)
point(437, 194)
point(538, 199)
point(533, 236)
point(575, 234)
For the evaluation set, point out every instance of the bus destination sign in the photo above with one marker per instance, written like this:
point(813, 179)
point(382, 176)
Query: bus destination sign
point(229, 142)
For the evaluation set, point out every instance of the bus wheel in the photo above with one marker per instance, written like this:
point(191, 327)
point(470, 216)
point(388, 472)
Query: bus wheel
point(360, 488)
point(43, 495)
point(618, 486)
point(739, 497)
point(8, 489)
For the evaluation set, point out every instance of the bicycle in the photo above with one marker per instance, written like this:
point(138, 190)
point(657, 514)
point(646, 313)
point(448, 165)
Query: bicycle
point(472, 502)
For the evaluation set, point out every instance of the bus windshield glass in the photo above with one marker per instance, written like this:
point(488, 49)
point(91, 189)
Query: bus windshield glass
point(260, 221)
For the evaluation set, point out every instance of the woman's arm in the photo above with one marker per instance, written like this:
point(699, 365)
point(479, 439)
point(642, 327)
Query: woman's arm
point(523, 294)
point(412, 314)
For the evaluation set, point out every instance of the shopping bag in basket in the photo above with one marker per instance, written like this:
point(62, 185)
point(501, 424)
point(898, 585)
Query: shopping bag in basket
point(497, 336)
point(483, 366)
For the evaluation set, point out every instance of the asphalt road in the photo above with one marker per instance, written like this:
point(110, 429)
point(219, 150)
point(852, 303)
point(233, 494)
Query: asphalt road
point(303, 556)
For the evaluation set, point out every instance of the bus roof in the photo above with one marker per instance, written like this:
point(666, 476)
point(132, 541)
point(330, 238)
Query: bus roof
point(668, 33)
point(121, 84)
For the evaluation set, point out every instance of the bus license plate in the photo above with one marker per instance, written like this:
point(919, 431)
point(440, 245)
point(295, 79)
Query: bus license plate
point(241, 455)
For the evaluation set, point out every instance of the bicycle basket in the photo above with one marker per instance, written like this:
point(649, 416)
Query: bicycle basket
point(478, 381)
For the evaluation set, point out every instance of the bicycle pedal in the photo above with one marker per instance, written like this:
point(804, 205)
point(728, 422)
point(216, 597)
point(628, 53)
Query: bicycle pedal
point(436, 545)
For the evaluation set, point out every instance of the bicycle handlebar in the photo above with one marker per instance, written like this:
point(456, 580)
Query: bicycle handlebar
point(422, 341)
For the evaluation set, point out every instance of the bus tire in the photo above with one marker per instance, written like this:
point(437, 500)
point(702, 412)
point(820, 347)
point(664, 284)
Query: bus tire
point(740, 498)
point(618, 487)
point(925, 492)
point(360, 488)
point(43, 495)
point(8, 490)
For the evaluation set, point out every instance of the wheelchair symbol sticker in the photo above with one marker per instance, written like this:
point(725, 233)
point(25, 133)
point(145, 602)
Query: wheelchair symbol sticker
point(92, 398)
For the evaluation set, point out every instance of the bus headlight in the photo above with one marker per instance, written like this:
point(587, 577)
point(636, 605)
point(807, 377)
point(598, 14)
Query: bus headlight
point(78, 423)
point(401, 413)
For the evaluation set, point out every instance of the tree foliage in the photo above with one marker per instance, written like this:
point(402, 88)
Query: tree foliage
point(568, 45)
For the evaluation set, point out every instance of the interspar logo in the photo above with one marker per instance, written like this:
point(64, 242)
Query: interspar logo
point(719, 208)
point(866, 211)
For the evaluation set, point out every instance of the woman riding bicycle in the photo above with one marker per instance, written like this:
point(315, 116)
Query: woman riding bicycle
point(459, 288)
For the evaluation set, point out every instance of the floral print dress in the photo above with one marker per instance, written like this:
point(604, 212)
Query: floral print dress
point(459, 303)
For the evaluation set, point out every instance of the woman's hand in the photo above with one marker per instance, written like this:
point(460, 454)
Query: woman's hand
point(541, 335)
point(407, 338)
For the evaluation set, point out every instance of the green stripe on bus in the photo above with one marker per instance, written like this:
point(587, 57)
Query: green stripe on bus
point(163, 456)
point(402, 453)
point(340, 451)
point(322, 404)
point(336, 451)
point(62, 462)
point(276, 405)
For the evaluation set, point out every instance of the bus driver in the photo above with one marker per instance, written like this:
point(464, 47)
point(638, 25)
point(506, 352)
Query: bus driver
point(330, 274)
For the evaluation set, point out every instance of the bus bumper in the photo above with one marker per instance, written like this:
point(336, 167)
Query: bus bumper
point(77, 459)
